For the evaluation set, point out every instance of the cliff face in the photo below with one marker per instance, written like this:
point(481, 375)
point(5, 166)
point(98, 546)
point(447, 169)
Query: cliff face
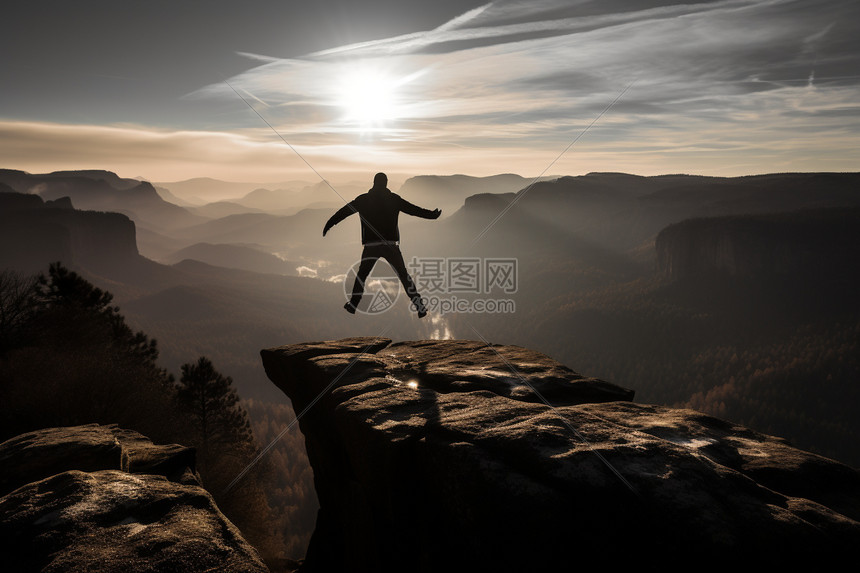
point(34, 233)
point(100, 498)
point(438, 455)
point(802, 244)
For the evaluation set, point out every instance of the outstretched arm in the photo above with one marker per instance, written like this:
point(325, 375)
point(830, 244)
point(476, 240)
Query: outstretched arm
point(417, 211)
point(339, 216)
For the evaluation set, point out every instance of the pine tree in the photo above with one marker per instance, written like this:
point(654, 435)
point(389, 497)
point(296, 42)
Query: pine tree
point(219, 423)
point(63, 297)
point(221, 432)
point(72, 359)
point(16, 294)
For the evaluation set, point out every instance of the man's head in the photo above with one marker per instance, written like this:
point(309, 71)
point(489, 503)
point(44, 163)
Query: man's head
point(380, 180)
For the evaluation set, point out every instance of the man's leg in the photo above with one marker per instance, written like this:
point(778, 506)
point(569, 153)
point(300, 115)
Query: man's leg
point(368, 259)
point(395, 259)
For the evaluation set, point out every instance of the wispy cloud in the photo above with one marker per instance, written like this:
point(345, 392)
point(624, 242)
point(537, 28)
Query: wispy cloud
point(531, 74)
point(464, 18)
point(496, 26)
point(722, 87)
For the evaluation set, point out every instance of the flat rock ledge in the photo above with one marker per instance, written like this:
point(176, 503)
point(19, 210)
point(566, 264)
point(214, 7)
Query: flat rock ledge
point(444, 456)
point(98, 498)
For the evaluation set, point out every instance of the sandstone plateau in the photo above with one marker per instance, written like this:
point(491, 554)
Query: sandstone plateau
point(442, 456)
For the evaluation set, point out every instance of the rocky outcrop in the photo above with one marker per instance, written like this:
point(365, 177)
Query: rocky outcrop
point(458, 455)
point(100, 498)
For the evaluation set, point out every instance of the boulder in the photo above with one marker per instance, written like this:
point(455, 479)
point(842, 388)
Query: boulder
point(104, 499)
point(43, 453)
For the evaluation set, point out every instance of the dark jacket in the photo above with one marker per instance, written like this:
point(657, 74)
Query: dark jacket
point(378, 210)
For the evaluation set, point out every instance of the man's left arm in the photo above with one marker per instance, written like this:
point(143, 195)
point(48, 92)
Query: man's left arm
point(417, 211)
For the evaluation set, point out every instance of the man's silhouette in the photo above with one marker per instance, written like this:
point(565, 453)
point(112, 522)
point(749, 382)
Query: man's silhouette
point(378, 210)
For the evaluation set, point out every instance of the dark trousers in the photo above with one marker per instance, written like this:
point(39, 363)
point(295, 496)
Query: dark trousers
point(390, 253)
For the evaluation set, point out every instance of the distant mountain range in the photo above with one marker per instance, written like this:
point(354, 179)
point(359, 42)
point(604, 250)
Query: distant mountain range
point(608, 220)
point(621, 211)
point(241, 257)
point(449, 192)
point(103, 191)
point(202, 190)
point(603, 217)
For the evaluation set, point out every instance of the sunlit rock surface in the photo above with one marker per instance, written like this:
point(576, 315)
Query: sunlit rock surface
point(100, 498)
point(439, 455)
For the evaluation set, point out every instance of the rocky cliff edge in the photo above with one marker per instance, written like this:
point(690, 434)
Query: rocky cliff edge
point(442, 456)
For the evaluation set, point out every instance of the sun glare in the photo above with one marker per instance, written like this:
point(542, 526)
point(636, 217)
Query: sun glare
point(370, 98)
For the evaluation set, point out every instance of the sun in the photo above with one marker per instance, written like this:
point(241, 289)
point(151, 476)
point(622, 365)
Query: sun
point(370, 98)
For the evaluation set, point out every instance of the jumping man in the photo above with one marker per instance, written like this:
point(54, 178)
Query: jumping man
point(378, 210)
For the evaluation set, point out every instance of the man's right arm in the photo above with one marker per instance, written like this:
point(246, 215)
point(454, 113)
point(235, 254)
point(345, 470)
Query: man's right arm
point(340, 215)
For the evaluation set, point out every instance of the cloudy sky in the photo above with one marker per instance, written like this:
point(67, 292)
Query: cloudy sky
point(259, 90)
